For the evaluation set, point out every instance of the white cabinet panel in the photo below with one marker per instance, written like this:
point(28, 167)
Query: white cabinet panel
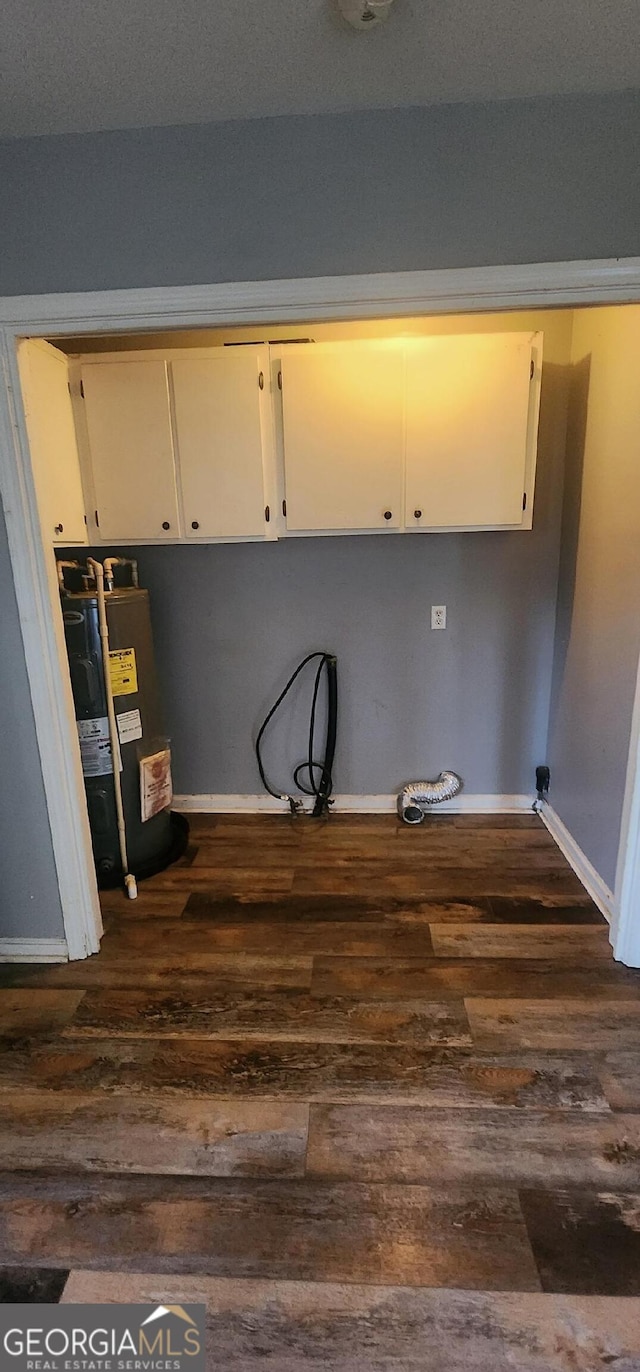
point(131, 447)
point(470, 429)
point(427, 433)
point(52, 441)
point(223, 442)
point(343, 435)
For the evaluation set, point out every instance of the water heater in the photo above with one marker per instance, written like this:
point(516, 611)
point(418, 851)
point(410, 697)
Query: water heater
point(154, 836)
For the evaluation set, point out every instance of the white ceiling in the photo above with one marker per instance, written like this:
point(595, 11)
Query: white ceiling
point(80, 65)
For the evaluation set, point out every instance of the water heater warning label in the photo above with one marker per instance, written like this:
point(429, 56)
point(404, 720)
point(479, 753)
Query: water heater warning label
point(129, 726)
point(95, 747)
point(122, 670)
point(156, 792)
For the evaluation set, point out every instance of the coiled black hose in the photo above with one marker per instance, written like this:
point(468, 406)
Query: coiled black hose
point(321, 789)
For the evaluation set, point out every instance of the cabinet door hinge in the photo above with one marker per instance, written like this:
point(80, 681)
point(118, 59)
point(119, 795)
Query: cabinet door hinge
point(267, 513)
point(284, 508)
point(524, 501)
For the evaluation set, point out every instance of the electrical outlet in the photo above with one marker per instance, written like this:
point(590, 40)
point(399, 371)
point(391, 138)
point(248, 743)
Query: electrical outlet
point(438, 616)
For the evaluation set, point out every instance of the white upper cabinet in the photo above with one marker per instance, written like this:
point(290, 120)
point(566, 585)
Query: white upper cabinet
point(471, 430)
point(223, 439)
point(128, 421)
point(406, 434)
point(343, 435)
point(52, 441)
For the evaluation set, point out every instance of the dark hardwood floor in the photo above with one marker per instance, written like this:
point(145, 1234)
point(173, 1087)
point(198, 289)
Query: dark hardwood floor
point(371, 1091)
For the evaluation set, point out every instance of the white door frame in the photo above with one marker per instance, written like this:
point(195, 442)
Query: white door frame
point(625, 926)
point(467, 290)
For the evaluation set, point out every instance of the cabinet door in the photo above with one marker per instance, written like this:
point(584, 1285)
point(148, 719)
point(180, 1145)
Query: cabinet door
point(223, 442)
point(343, 435)
point(131, 449)
point(52, 440)
point(468, 430)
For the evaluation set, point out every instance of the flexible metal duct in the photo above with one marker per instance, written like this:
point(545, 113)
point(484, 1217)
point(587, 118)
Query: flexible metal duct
point(418, 797)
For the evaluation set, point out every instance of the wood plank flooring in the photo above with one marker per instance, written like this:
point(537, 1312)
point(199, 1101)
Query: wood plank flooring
point(288, 1326)
point(370, 1089)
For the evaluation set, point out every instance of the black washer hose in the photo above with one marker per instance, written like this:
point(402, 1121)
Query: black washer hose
point(322, 789)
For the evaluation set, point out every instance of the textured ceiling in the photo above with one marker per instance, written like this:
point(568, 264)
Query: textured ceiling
point(80, 65)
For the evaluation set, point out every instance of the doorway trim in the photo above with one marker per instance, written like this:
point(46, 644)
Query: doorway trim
point(626, 921)
point(466, 290)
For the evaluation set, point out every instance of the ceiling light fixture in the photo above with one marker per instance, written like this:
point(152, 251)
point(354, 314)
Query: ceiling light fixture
point(365, 14)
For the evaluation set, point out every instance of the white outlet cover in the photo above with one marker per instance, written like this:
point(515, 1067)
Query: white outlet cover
point(438, 616)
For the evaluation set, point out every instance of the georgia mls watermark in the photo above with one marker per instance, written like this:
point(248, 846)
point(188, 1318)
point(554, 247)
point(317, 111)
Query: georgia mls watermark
point(102, 1338)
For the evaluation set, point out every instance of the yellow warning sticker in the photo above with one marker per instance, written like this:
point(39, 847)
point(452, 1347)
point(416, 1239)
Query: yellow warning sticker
point(122, 670)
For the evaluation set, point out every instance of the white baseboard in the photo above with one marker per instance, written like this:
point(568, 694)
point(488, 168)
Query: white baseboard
point(33, 950)
point(361, 805)
point(591, 880)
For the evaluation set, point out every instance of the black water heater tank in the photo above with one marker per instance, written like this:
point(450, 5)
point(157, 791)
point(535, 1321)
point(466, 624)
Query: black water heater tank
point(152, 842)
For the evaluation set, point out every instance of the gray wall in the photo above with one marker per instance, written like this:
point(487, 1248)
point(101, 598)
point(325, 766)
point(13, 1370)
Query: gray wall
point(29, 903)
point(466, 185)
point(231, 623)
point(598, 637)
point(395, 190)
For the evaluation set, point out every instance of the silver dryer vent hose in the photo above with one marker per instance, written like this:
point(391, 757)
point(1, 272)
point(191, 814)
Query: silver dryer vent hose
point(418, 797)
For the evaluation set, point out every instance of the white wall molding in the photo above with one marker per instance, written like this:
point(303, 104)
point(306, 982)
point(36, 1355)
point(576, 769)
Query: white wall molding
point(627, 922)
point(33, 950)
point(38, 602)
point(360, 805)
point(542, 284)
point(591, 880)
